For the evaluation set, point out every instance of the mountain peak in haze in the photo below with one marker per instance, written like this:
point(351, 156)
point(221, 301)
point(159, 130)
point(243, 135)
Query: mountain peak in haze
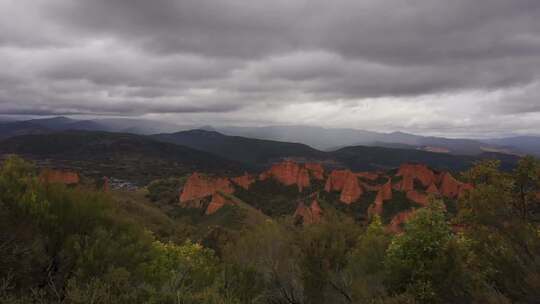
point(208, 128)
point(52, 122)
point(326, 139)
point(333, 139)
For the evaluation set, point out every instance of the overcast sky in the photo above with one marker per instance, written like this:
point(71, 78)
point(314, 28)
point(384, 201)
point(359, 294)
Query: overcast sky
point(440, 67)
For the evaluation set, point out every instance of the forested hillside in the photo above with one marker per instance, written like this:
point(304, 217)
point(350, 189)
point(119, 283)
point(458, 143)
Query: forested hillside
point(77, 244)
point(136, 158)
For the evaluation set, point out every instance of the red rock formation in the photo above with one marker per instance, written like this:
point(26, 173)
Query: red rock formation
point(369, 187)
point(449, 185)
point(316, 210)
point(59, 177)
point(351, 191)
point(346, 182)
point(309, 215)
point(375, 208)
point(303, 180)
point(418, 197)
point(218, 201)
point(285, 172)
point(463, 189)
point(336, 180)
point(407, 183)
point(384, 194)
point(368, 175)
point(410, 172)
point(386, 191)
point(316, 170)
point(432, 189)
point(244, 181)
point(399, 219)
point(288, 173)
point(300, 210)
point(199, 186)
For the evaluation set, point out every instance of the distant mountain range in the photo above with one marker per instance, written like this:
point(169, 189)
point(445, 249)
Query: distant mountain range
point(322, 139)
point(123, 125)
point(256, 153)
point(334, 139)
point(142, 158)
point(523, 144)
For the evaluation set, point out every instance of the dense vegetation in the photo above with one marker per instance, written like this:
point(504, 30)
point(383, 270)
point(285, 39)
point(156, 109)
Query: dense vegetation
point(77, 245)
point(271, 197)
point(368, 158)
point(141, 159)
point(135, 158)
point(251, 151)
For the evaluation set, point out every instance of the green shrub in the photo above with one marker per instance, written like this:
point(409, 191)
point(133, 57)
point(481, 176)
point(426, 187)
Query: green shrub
point(61, 244)
point(428, 261)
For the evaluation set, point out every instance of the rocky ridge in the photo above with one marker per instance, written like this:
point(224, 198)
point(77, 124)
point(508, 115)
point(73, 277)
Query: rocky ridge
point(308, 214)
point(417, 182)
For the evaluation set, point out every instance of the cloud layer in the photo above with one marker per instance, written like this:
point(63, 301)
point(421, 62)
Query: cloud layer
point(459, 68)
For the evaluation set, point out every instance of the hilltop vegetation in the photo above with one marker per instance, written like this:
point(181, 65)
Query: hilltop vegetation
point(136, 158)
point(64, 245)
point(369, 158)
point(242, 149)
point(77, 245)
point(141, 159)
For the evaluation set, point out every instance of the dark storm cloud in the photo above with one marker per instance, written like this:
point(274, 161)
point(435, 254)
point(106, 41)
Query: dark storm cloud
point(397, 31)
point(21, 105)
point(132, 57)
point(136, 69)
point(214, 28)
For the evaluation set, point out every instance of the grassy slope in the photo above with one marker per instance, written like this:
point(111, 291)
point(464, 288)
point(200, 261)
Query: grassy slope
point(171, 222)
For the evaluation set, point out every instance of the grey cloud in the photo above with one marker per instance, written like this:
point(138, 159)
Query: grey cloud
point(82, 106)
point(420, 32)
point(230, 28)
point(136, 57)
point(398, 31)
point(426, 46)
point(520, 100)
point(136, 69)
point(329, 75)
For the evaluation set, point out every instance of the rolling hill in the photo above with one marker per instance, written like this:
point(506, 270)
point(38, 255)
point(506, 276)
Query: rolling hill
point(135, 158)
point(255, 152)
point(260, 153)
point(334, 139)
point(323, 139)
point(123, 125)
point(141, 159)
point(10, 129)
point(370, 158)
point(524, 144)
